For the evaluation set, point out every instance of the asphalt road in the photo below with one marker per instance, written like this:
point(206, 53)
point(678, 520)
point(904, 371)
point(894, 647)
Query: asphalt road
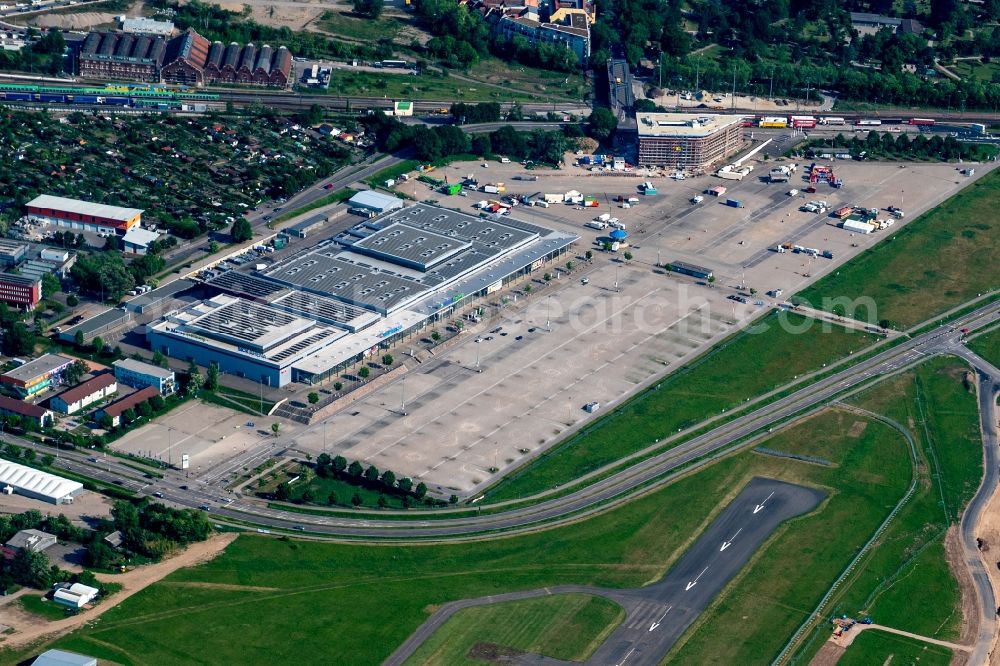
point(178, 488)
point(989, 385)
point(667, 608)
point(658, 614)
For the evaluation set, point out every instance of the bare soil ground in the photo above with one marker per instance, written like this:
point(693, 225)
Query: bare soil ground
point(81, 21)
point(29, 628)
point(828, 655)
point(970, 618)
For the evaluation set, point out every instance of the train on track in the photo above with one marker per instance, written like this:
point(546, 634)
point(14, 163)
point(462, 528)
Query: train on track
point(134, 96)
point(809, 122)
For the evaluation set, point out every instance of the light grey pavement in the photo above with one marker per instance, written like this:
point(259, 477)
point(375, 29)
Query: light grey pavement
point(989, 386)
point(658, 614)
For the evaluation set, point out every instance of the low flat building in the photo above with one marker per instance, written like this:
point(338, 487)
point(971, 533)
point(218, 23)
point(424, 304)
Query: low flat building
point(120, 406)
point(30, 482)
point(374, 201)
point(84, 394)
point(38, 415)
point(11, 252)
point(688, 141)
point(35, 541)
point(83, 215)
point(137, 240)
point(63, 658)
point(23, 292)
point(93, 327)
point(307, 226)
point(139, 375)
point(141, 25)
point(35, 376)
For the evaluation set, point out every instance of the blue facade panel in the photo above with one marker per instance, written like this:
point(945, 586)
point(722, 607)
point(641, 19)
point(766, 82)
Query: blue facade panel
point(231, 363)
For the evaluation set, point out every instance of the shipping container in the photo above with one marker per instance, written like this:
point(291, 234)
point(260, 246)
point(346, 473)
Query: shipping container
point(649, 191)
point(117, 101)
point(735, 203)
point(597, 224)
point(86, 99)
point(48, 97)
point(18, 96)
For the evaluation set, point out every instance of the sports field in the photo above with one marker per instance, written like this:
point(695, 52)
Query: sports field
point(940, 260)
point(556, 626)
point(706, 388)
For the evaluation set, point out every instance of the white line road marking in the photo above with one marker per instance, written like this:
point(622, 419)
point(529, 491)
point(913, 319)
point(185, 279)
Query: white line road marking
point(727, 544)
point(660, 619)
point(695, 581)
point(761, 505)
point(629, 654)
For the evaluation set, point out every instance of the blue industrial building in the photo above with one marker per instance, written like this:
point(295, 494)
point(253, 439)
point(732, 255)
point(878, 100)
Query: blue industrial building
point(139, 375)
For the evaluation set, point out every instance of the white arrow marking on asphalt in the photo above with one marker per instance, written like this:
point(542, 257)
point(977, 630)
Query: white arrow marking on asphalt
point(626, 657)
point(695, 581)
point(727, 544)
point(761, 505)
point(660, 619)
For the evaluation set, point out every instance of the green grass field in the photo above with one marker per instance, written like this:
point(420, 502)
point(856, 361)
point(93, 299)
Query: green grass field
point(977, 70)
point(552, 626)
point(988, 346)
point(347, 26)
point(940, 260)
point(38, 605)
point(393, 172)
point(699, 391)
point(365, 600)
point(876, 647)
point(394, 85)
point(908, 569)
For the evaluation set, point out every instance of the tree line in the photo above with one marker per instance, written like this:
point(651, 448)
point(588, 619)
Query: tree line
point(902, 146)
point(443, 141)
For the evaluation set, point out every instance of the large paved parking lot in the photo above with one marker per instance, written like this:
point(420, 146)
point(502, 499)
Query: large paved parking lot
point(595, 342)
point(459, 419)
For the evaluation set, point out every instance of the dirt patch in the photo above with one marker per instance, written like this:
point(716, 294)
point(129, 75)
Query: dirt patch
point(493, 653)
point(857, 429)
point(81, 21)
point(828, 655)
point(30, 628)
point(953, 554)
point(295, 16)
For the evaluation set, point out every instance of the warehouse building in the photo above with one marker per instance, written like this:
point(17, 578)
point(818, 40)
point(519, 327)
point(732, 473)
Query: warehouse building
point(39, 416)
point(63, 658)
point(35, 376)
point(141, 25)
point(192, 60)
point(122, 405)
point(20, 291)
point(307, 226)
point(304, 318)
point(35, 541)
point(375, 202)
point(139, 375)
point(83, 215)
point(11, 252)
point(110, 319)
point(687, 141)
point(39, 485)
point(84, 394)
point(110, 55)
point(137, 240)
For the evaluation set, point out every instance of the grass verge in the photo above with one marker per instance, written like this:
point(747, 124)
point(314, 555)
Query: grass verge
point(373, 597)
point(332, 198)
point(877, 647)
point(945, 257)
point(38, 605)
point(987, 345)
point(551, 626)
point(393, 172)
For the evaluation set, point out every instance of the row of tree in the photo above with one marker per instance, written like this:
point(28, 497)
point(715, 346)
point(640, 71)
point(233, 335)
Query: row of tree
point(369, 477)
point(902, 146)
point(435, 143)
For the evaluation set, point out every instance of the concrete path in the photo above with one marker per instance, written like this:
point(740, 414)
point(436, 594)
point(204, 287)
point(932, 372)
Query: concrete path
point(849, 637)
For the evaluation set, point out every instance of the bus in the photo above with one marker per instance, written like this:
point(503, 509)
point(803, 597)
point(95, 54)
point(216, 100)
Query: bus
point(920, 121)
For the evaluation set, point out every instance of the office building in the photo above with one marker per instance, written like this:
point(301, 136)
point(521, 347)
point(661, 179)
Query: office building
point(139, 375)
point(688, 141)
